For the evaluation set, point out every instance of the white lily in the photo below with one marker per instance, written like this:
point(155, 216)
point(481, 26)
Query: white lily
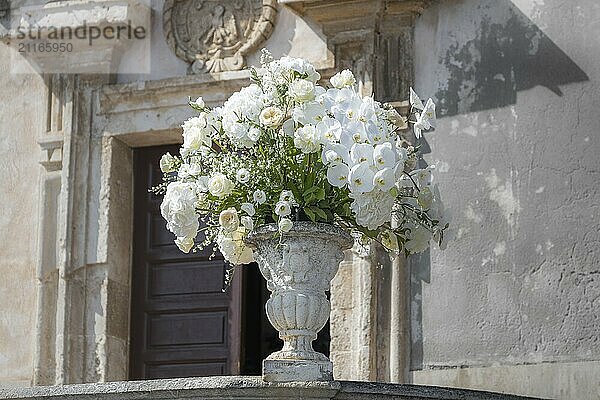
point(415, 101)
point(384, 156)
point(329, 129)
point(337, 175)
point(420, 125)
point(429, 113)
point(361, 153)
point(384, 179)
point(360, 179)
point(335, 153)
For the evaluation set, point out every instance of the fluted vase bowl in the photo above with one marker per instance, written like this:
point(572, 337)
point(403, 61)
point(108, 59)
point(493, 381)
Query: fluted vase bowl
point(298, 267)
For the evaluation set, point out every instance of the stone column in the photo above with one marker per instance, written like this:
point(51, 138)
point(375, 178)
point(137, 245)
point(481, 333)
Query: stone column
point(370, 318)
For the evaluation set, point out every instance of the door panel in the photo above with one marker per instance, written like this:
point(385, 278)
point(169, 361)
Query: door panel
point(183, 324)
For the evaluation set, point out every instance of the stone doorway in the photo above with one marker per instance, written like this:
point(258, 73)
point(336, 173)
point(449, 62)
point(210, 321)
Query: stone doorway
point(182, 322)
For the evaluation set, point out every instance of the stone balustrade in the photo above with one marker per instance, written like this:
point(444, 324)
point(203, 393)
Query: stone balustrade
point(247, 388)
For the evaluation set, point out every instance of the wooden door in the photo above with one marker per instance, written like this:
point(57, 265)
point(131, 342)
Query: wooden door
point(182, 323)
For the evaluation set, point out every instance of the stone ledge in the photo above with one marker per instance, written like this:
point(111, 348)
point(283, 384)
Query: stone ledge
point(244, 387)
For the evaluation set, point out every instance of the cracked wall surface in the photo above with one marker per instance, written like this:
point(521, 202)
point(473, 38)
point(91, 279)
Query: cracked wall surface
point(516, 150)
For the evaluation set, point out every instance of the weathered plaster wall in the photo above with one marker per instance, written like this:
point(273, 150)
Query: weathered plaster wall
point(518, 91)
point(23, 108)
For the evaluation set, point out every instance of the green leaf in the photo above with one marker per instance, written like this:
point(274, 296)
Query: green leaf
point(309, 191)
point(319, 212)
point(320, 194)
point(295, 191)
point(310, 214)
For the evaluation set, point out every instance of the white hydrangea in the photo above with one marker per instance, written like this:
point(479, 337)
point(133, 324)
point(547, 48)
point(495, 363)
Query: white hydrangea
point(372, 209)
point(239, 112)
point(178, 208)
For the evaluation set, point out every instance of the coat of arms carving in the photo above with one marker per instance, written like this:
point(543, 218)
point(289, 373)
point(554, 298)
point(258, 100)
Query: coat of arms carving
point(216, 35)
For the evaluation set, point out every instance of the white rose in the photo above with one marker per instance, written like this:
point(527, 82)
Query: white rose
point(196, 133)
point(283, 209)
point(167, 163)
point(229, 219)
point(253, 134)
point(184, 244)
point(242, 175)
point(343, 79)
point(248, 223)
point(307, 139)
point(219, 185)
point(188, 170)
point(178, 209)
point(285, 225)
point(259, 196)
point(302, 90)
point(248, 208)
point(233, 248)
point(199, 102)
point(271, 116)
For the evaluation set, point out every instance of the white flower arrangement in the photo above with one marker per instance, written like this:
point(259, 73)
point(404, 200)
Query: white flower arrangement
point(285, 149)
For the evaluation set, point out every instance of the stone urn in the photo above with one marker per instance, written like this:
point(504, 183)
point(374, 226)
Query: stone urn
point(298, 266)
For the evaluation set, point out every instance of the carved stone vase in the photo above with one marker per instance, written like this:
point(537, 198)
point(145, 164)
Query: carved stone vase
point(298, 267)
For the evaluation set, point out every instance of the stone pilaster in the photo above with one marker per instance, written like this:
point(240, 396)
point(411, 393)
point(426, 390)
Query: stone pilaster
point(82, 293)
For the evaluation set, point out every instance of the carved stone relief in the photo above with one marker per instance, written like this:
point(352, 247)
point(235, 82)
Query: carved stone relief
point(215, 36)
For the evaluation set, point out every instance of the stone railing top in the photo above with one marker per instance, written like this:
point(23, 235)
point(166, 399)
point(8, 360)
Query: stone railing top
point(244, 387)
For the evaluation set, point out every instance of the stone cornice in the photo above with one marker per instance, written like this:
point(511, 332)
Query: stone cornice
point(345, 15)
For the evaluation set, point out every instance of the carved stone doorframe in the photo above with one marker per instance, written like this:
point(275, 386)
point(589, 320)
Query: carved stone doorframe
point(87, 210)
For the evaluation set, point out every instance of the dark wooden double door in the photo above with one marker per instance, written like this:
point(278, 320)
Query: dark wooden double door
point(183, 322)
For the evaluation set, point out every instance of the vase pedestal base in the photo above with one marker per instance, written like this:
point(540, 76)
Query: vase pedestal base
point(297, 370)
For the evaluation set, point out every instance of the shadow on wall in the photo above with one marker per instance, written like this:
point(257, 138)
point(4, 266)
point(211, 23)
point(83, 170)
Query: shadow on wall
point(504, 58)
point(509, 53)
